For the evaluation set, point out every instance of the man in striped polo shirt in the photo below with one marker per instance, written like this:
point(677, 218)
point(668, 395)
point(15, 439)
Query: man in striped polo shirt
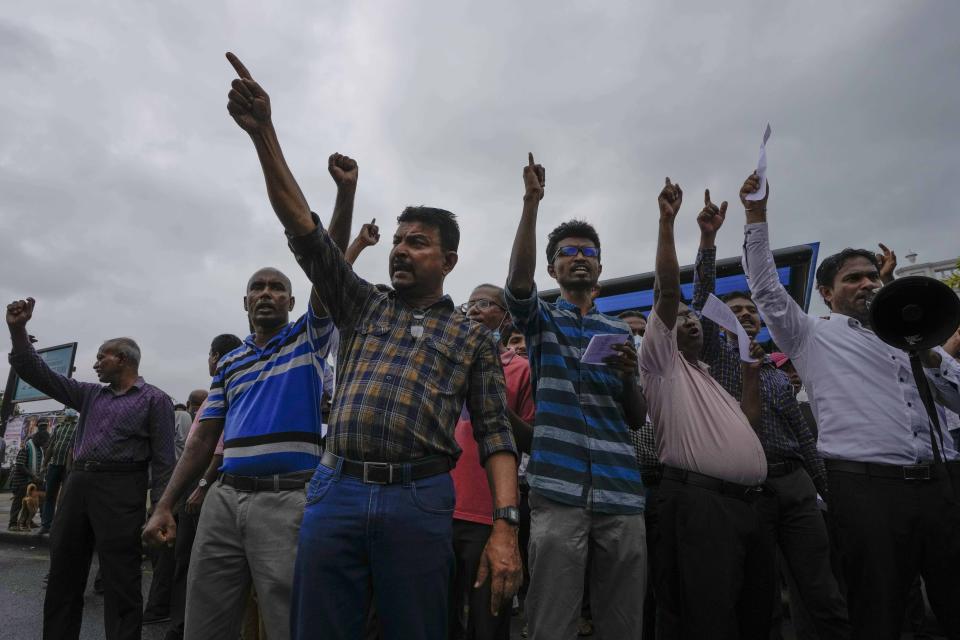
point(585, 488)
point(265, 399)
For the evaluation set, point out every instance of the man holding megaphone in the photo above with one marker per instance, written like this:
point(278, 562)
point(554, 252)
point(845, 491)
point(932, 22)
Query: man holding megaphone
point(894, 502)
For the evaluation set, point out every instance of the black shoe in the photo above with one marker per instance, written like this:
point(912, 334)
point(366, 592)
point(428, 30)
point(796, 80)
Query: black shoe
point(155, 618)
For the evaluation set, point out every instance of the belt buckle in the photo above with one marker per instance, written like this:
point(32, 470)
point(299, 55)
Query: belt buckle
point(367, 466)
point(754, 491)
point(913, 472)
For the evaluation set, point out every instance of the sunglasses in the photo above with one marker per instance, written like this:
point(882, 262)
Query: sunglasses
point(569, 252)
point(482, 304)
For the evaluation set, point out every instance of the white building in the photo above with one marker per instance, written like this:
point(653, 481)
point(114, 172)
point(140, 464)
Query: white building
point(941, 269)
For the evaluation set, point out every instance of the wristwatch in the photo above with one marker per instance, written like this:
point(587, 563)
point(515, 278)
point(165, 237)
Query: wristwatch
point(203, 483)
point(510, 514)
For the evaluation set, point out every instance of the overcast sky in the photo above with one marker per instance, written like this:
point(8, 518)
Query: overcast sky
point(133, 205)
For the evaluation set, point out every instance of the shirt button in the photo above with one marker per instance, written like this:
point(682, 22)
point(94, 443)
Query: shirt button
point(909, 404)
point(901, 379)
point(388, 378)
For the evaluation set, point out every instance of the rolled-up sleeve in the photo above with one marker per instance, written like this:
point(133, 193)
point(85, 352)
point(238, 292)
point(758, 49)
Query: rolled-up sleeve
point(487, 403)
point(524, 311)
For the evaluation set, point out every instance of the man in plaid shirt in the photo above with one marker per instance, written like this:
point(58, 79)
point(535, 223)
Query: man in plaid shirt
point(58, 454)
point(379, 507)
point(795, 471)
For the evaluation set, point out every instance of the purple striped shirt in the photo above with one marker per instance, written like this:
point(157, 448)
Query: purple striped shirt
point(135, 426)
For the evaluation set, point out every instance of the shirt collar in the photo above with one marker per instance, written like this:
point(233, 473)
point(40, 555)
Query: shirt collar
point(569, 306)
point(444, 301)
point(250, 340)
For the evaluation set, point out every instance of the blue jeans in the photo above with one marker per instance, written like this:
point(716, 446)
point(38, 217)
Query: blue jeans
point(56, 474)
point(397, 538)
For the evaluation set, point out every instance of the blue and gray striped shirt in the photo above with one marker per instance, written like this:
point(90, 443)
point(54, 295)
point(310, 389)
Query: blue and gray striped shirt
point(269, 400)
point(582, 453)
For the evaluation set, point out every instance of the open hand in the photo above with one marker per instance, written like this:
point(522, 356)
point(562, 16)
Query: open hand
point(19, 312)
point(343, 169)
point(888, 263)
point(669, 200)
point(369, 234)
point(195, 501)
point(711, 217)
point(534, 180)
point(247, 102)
point(501, 564)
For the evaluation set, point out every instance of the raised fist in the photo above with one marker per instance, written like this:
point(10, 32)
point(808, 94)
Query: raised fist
point(534, 180)
point(247, 102)
point(343, 170)
point(669, 200)
point(19, 312)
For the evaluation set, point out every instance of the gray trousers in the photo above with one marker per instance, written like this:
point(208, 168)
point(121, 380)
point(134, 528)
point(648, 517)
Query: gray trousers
point(561, 539)
point(243, 538)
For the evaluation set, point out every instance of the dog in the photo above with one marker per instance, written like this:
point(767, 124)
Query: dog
point(29, 507)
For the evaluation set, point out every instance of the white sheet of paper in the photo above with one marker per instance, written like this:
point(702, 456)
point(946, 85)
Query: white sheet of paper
point(717, 310)
point(761, 168)
point(601, 346)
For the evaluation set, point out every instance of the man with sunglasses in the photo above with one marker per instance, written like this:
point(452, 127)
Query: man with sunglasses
point(585, 486)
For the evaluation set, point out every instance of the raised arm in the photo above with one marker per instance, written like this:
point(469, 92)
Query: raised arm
point(31, 367)
point(523, 258)
point(667, 284)
point(344, 171)
point(249, 105)
point(888, 263)
point(369, 236)
point(787, 322)
point(709, 220)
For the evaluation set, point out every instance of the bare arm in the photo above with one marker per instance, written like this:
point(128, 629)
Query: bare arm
point(501, 555)
point(523, 257)
point(750, 391)
point(161, 528)
point(344, 171)
point(195, 501)
point(667, 284)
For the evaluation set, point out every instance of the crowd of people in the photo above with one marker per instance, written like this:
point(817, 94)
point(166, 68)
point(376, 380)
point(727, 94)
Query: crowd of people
point(457, 456)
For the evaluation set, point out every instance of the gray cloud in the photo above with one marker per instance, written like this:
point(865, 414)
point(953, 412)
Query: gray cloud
point(134, 206)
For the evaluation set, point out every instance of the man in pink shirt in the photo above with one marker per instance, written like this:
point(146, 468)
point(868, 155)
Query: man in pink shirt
point(713, 567)
point(470, 616)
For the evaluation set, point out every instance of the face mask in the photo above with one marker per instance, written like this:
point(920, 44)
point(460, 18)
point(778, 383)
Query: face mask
point(637, 341)
point(496, 335)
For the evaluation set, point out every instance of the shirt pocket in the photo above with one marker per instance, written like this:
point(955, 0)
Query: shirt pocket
point(446, 367)
point(373, 342)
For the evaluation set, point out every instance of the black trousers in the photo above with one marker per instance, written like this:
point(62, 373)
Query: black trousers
point(469, 538)
point(890, 530)
point(714, 566)
point(186, 532)
point(789, 509)
point(164, 562)
point(102, 512)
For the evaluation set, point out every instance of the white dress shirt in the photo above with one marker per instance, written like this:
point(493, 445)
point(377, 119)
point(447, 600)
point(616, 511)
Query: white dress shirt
point(862, 390)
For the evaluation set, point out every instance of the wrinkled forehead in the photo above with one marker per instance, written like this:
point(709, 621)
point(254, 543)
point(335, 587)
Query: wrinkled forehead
point(269, 276)
point(417, 228)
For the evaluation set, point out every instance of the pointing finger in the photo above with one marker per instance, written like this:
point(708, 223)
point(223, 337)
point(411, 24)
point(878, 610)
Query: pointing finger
point(238, 66)
point(373, 222)
point(706, 197)
point(884, 247)
point(668, 181)
point(530, 162)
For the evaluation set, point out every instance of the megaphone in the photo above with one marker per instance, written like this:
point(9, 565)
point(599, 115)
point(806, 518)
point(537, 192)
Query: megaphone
point(915, 313)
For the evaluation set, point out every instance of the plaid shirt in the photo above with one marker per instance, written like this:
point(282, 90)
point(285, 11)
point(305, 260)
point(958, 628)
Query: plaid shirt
point(405, 373)
point(61, 443)
point(783, 432)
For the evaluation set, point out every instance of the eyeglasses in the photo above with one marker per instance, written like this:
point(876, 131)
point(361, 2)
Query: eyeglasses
point(482, 304)
point(569, 252)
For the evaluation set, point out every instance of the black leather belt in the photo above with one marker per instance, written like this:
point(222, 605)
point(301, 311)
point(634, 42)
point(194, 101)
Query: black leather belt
point(731, 489)
point(276, 482)
point(780, 468)
point(911, 472)
point(387, 472)
point(110, 467)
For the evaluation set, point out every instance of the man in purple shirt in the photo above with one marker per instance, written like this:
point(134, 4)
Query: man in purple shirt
point(125, 428)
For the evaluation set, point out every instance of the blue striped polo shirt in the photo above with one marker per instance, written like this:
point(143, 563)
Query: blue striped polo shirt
point(269, 400)
point(582, 453)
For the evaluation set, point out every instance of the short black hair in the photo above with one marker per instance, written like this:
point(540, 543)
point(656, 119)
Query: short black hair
point(631, 313)
point(179, 407)
point(746, 295)
point(224, 344)
point(441, 219)
point(571, 229)
point(828, 269)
